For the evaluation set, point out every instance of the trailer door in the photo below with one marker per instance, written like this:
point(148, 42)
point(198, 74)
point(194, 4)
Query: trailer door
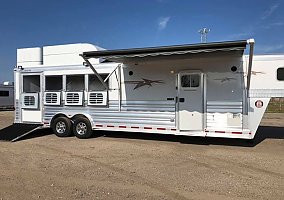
point(31, 101)
point(190, 101)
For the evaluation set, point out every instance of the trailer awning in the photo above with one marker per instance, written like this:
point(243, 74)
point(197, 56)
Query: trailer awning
point(115, 55)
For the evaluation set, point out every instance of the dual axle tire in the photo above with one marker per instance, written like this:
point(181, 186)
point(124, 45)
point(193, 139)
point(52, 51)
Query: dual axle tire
point(62, 127)
point(82, 128)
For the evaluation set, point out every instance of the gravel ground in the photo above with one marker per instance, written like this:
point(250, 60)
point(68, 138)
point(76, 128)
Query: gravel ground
point(117, 165)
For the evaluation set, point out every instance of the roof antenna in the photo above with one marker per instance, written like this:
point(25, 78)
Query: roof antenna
point(203, 34)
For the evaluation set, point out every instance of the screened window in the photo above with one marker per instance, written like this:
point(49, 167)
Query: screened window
point(31, 83)
point(4, 93)
point(95, 84)
point(280, 74)
point(53, 83)
point(75, 82)
point(190, 80)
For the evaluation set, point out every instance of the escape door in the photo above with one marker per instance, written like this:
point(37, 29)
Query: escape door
point(190, 100)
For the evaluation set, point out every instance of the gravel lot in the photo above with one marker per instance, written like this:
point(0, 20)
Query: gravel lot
point(143, 166)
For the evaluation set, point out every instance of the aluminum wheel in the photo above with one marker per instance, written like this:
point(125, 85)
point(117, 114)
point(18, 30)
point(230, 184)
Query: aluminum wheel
point(81, 128)
point(60, 127)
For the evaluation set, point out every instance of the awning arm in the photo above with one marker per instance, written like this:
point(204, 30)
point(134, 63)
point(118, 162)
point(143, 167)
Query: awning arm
point(95, 72)
point(111, 72)
point(251, 43)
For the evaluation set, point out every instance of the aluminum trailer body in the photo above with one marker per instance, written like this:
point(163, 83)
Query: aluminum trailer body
point(208, 90)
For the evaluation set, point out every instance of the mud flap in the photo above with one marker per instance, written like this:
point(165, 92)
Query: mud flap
point(16, 131)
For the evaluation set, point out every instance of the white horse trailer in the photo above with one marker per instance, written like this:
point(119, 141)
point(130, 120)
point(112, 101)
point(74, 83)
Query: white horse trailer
point(6, 96)
point(208, 89)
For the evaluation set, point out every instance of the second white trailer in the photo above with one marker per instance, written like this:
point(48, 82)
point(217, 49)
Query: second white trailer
point(6, 96)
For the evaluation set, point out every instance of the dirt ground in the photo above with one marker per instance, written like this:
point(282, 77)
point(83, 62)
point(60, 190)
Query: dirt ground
point(143, 166)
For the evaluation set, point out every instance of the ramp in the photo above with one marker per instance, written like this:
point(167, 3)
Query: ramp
point(17, 131)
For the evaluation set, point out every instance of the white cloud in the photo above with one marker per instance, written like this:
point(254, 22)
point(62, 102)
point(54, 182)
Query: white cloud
point(163, 22)
point(237, 36)
point(270, 48)
point(277, 24)
point(269, 11)
point(274, 24)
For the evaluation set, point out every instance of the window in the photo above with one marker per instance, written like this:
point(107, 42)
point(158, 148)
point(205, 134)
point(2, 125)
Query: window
point(280, 74)
point(190, 80)
point(53, 83)
point(75, 83)
point(4, 93)
point(31, 83)
point(95, 84)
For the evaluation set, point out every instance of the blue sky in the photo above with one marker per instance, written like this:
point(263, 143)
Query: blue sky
point(114, 24)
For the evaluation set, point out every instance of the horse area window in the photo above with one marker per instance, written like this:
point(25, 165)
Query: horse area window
point(53, 83)
point(31, 83)
point(75, 82)
point(95, 84)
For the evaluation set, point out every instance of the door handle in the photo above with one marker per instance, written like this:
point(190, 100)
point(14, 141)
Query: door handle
point(181, 99)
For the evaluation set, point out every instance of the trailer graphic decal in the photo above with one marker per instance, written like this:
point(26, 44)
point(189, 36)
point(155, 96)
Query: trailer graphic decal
point(142, 83)
point(255, 72)
point(224, 79)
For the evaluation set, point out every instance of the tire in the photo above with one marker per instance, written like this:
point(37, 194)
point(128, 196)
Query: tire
point(62, 127)
point(82, 128)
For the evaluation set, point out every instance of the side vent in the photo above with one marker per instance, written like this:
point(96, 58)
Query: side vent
point(97, 98)
point(30, 100)
point(52, 98)
point(74, 98)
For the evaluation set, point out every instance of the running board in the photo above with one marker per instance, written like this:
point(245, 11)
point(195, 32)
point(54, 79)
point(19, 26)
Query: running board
point(16, 131)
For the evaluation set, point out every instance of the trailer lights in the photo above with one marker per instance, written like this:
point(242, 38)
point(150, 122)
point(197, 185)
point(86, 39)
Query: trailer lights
point(20, 67)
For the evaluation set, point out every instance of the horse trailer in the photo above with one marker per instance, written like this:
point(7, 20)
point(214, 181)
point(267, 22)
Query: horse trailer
point(208, 89)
